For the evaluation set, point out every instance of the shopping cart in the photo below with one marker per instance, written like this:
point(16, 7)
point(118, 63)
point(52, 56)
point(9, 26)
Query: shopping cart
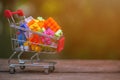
point(23, 40)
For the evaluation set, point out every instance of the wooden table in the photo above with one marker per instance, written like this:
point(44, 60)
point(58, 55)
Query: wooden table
point(67, 70)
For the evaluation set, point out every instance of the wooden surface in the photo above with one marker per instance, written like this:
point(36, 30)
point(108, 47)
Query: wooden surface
point(67, 70)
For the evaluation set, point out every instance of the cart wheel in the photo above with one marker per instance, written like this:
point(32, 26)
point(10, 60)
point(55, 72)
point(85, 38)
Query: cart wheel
point(46, 70)
point(22, 67)
point(12, 70)
point(52, 68)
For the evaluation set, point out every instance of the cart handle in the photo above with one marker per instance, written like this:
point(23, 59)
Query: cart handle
point(8, 13)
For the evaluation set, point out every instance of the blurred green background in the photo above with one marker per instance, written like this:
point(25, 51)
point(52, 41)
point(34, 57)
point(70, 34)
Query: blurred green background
point(91, 27)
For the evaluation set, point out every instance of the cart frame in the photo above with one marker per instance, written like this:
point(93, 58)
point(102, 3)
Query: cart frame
point(34, 59)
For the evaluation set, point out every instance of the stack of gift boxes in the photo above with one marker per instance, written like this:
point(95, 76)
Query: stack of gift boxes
point(30, 41)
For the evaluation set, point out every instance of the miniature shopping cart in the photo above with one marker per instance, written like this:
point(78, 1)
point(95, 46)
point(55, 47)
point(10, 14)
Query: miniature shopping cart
point(26, 39)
